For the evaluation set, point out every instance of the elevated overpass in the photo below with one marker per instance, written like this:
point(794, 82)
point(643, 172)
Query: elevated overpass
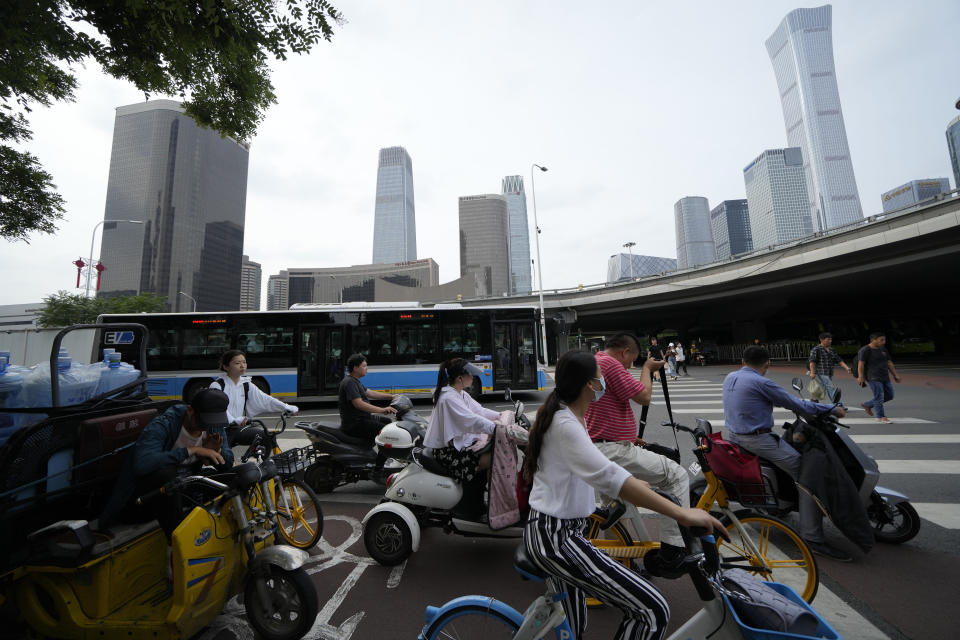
point(898, 272)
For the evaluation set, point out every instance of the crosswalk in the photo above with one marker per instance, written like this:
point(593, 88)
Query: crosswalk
point(691, 397)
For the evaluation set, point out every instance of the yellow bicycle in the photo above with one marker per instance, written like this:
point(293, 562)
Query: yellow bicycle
point(299, 516)
point(759, 543)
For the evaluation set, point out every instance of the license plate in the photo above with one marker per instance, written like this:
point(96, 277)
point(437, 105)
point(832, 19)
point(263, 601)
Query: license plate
point(694, 468)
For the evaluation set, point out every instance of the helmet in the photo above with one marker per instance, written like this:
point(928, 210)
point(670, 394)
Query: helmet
point(402, 404)
point(393, 436)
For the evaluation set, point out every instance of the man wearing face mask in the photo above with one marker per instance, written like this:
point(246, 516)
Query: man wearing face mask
point(613, 428)
point(748, 401)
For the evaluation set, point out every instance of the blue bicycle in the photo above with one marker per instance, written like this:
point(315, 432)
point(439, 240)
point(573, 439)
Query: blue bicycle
point(485, 618)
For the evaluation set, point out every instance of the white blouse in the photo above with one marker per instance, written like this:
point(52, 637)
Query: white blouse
point(570, 467)
point(257, 401)
point(458, 418)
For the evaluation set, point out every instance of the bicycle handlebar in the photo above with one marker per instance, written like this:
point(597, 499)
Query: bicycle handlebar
point(179, 483)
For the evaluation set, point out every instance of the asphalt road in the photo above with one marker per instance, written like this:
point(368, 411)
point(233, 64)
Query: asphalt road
point(895, 591)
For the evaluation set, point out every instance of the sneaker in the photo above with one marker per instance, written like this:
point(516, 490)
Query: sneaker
point(825, 550)
point(867, 409)
point(884, 419)
point(666, 562)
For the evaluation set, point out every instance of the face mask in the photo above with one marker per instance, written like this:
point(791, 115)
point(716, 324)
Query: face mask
point(599, 394)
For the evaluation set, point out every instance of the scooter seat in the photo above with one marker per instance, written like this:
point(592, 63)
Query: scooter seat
point(429, 463)
point(334, 431)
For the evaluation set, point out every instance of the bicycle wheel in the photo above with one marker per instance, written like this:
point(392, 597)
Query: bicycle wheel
point(779, 546)
point(298, 514)
point(471, 622)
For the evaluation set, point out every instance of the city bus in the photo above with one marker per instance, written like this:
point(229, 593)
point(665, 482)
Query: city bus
point(300, 354)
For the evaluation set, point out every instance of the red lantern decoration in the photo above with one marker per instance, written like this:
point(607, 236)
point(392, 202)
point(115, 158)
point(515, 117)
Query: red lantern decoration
point(80, 264)
point(100, 269)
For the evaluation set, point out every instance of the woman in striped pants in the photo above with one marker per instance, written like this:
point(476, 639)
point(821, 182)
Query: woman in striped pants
point(565, 468)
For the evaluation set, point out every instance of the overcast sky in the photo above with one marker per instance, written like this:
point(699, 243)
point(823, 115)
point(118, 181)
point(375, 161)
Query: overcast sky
point(631, 106)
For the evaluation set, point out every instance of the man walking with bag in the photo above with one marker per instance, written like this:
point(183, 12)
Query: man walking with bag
point(822, 361)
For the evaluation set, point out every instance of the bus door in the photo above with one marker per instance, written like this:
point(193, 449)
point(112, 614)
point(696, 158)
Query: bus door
point(321, 361)
point(514, 355)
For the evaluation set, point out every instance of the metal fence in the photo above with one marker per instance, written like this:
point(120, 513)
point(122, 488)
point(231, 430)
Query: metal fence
point(787, 351)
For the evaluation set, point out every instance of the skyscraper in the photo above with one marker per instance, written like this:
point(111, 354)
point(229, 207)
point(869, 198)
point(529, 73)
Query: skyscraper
point(619, 267)
point(484, 242)
point(730, 221)
point(914, 192)
point(953, 144)
point(277, 286)
point(777, 197)
point(189, 187)
point(394, 222)
point(694, 235)
point(519, 234)
point(250, 278)
point(801, 50)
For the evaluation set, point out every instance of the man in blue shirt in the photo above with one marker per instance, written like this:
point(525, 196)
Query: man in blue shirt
point(748, 401)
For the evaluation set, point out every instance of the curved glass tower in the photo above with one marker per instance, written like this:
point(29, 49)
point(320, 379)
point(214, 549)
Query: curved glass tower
point(694, 234)
point(519, 236)
point(801, 50)
point(394, 222)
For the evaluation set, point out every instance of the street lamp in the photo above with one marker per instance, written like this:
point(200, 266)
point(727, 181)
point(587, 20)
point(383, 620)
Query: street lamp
point(93, 238)
point(536, 226)
point(629, 247)
point(194, 300)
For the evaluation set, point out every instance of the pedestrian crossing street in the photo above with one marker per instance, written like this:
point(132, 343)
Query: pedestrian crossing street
point(691, 398)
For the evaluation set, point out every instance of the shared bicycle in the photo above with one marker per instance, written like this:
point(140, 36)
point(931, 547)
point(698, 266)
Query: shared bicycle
point(759, 543)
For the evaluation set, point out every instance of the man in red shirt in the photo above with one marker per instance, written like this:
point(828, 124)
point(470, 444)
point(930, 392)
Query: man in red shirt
point(613, 429)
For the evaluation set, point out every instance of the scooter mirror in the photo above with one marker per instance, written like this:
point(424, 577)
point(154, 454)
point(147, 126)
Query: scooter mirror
point(518, 409)
point(507, 395)
point(798, 384)
point(836, 397)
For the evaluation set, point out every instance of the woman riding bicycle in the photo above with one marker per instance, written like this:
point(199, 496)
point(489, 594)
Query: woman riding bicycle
point(566, 468)
point(246, 399)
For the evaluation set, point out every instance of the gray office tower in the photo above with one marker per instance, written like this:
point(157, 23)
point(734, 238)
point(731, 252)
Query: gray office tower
point(189, 187)
point(777, 197)
point(519, 234)
point(394, 222)
point(619, 266)
point(694, 235)
point(250, 278)
point(801, 50)
point(953, 143)
point(484, 242)
point(914, 192)
point(730, 221)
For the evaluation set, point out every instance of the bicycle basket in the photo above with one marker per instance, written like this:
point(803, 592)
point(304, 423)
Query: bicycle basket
point(740, 473)
point(294, 460)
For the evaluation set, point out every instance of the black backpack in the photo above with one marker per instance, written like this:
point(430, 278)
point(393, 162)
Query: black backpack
point(246, 392)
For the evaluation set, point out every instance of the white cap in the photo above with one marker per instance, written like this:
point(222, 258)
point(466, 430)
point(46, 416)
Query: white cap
point(671, 344)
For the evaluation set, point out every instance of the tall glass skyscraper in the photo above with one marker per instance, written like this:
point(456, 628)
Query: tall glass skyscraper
point(730, 221)
point(801, 50)
point(484, 248)
point(394, 222)
point(777, 197)
point(953, 143)
point(189, 187)
point(519, 234)
point(694, 235)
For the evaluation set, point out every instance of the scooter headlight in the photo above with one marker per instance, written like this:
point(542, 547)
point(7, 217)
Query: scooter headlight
point(390, 479)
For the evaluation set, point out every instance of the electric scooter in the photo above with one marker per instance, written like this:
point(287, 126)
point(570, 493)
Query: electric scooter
point(893, 519)
point(344, 459)
point(423, 495)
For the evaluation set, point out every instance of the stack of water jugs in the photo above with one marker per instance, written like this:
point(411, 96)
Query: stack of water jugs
point(30, 386)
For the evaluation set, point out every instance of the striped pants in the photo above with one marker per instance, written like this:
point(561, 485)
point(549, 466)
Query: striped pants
point(577, 567)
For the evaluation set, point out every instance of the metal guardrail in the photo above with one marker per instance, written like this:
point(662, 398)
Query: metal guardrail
point(788, 351)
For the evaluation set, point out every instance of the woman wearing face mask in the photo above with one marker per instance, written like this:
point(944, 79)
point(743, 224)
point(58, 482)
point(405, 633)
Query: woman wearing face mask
point(246, 399)
point(566, 469)
point(457, 421)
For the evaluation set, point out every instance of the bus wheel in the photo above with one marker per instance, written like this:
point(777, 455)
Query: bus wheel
point(193, 386)
point(261, 384)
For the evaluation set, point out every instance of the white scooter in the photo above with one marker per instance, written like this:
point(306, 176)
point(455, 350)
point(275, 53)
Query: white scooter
point(423, 495)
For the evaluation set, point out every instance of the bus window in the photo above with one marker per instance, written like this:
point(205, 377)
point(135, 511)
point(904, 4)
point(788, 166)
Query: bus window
point(267, 345)
point(362, 338)
point(382, 341)
point(205, 342)
point(162, 349)
point(416, 344)
point(460, 339)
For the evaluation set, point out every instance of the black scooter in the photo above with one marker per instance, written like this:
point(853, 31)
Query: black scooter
point(347, 459)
